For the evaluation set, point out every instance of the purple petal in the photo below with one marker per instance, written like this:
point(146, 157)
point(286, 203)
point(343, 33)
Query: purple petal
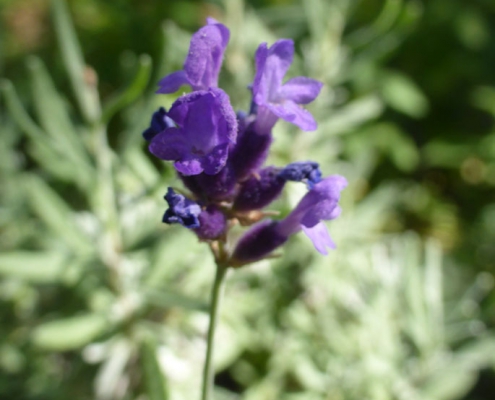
point(332, 185)
point(271, 67)
point(169, 145)
point(189, 166)
point(321, 201)
point(318, 204)
point(293, 113)
point(205, 56)
point(212, 223)
point(181, 107)
point(159, 122)
point(181, 210)
point(199, 125)
point(260, 88)
point(226, 116)
point(320, 237)
point(171, 83)
point(215, 160)
point(300, 90)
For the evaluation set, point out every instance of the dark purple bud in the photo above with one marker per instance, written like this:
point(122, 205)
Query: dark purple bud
point(181, 210)
point(159, 122)
point(219, 187)
point(250, 151)
point(212, 223)
point(303, 171)
point(259, 191)
point(257, 243)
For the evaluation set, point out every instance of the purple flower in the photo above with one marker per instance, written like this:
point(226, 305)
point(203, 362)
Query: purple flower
point(277, 100)
point(206, 127)
point(181, 210)
point(203, 61)
point(319, 204)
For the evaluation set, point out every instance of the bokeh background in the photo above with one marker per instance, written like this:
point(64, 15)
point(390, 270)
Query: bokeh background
point(99, 300)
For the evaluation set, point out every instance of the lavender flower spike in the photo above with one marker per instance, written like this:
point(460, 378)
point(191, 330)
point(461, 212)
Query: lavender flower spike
point(275, 99)
point(203, 61)
point(181, 210)
point(206, 127)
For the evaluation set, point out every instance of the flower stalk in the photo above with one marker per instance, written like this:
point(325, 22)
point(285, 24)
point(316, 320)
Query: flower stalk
point(216, 294)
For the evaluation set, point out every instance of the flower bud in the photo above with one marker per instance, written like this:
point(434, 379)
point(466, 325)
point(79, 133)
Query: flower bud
point(259, 191)
point(212, 223)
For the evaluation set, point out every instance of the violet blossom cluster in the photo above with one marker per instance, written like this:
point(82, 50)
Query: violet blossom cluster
point(220, 155)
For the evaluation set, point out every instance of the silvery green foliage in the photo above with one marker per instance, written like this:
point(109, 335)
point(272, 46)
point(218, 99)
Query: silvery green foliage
point(92, 278)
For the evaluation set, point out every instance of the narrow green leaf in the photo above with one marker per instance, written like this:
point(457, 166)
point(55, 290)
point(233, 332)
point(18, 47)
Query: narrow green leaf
point(384, 22)
point(56, 214)
point(402, 94)
point(450, 382)
point(85, 92)
point(36, 267)
point(439, 153)
point(69, 333)
point(352, 115)
point(55, 120)
point(17, 111)
point(132, 92)
point(390, 12)
point(42, 147)
point(142, 167)
point(398, 145)
point(59, 167)
point(156, 387)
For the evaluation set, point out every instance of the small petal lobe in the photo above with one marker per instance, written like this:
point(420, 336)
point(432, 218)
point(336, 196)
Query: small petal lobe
point(320, 237)
point(171, 83)
point(301, 90)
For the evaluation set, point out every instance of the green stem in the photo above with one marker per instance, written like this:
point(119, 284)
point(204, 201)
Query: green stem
point(216, 293)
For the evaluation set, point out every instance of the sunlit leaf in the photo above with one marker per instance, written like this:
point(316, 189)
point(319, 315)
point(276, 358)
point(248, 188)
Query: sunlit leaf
point(402, 94)
point(69, 333)
point(55, 120)
point(84, 90)
point(156, 388)
point(39, 267)
point(132, 92)
point(56, 214)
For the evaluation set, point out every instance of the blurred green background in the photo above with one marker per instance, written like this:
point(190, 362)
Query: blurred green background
point(99, 300)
